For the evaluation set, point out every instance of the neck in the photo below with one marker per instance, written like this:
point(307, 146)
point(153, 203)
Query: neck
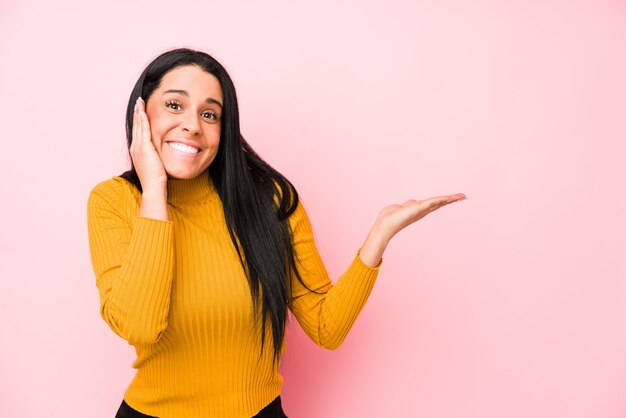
point(198, 188)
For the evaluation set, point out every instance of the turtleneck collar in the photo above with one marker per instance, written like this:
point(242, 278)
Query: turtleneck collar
point(196, 189)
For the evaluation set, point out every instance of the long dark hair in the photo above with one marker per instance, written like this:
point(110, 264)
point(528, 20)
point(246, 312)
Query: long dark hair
point(249, 189)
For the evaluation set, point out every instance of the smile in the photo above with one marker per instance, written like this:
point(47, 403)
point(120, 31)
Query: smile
point(184, 148)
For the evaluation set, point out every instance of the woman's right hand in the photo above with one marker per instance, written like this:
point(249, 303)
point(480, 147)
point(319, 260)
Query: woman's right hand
point(149, 167)
point(145, 158)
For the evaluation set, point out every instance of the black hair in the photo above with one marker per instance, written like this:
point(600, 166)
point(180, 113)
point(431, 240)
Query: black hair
point(257, 199)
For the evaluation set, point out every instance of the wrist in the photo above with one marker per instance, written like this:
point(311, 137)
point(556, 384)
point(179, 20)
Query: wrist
point(154, 191)
point(154, 204)
point(372, 250)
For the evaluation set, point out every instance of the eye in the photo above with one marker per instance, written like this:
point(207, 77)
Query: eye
point(173, 104)
point(210, 115)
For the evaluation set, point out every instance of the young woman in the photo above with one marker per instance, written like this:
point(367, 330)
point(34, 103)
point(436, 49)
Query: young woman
point(201, 248)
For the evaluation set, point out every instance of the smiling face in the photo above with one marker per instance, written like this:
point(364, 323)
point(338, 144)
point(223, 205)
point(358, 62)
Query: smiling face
point(185, 114)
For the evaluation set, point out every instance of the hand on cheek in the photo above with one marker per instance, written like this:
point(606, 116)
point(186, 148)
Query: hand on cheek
point(146, 160)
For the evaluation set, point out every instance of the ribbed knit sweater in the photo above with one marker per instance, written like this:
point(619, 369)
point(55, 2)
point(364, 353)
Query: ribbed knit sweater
point(177, 292)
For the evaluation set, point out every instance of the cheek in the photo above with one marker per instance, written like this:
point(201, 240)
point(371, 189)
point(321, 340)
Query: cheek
point(218, 134)
point(158, 125)
point(153, 120)
point(212, 135)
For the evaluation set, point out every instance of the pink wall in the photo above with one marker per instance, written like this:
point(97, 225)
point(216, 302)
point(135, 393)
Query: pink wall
point(510, 304)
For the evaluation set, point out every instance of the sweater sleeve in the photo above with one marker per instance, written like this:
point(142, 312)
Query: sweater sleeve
point(133, 262)
point(326, 312)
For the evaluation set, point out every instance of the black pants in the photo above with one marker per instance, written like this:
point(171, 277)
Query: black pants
point(273, 410)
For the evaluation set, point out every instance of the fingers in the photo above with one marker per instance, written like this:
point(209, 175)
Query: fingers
point(135, 126)
point(141, 136)
point(456, 197)
point(143, 119)
point(421, 208)
point(137, 142)
point(439, 201)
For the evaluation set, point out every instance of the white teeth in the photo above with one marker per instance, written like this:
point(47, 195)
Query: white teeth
point(187, 149)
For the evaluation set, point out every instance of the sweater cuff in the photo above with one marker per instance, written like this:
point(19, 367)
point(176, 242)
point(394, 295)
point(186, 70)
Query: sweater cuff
point(360, 277)
point(358, 256)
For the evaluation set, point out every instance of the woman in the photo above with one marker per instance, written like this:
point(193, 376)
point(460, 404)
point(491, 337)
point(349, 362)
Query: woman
point(201, 248)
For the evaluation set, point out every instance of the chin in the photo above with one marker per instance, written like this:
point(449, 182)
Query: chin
point(183, 175)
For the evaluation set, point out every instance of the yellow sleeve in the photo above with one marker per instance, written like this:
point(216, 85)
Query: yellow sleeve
point(328, 316)
point(133, 262)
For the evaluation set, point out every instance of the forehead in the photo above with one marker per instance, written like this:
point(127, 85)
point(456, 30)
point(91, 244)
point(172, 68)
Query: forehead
point(194, 80)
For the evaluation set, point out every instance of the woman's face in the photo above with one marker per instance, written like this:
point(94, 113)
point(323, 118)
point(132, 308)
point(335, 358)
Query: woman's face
point(185, 115)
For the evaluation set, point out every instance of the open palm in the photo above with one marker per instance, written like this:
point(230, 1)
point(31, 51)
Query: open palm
point(394, 218)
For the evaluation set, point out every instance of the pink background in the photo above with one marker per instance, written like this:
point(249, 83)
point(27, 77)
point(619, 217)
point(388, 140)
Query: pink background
point(509, 304)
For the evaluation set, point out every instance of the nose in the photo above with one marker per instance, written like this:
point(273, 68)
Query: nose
point(191, 124)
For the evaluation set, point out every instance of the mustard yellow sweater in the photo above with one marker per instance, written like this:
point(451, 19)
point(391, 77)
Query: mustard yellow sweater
point(176, 291)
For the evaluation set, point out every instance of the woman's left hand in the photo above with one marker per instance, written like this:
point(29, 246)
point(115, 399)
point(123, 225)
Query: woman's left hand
point(394, 218)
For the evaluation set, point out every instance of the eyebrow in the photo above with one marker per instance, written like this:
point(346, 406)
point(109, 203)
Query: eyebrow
point(184, 93)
